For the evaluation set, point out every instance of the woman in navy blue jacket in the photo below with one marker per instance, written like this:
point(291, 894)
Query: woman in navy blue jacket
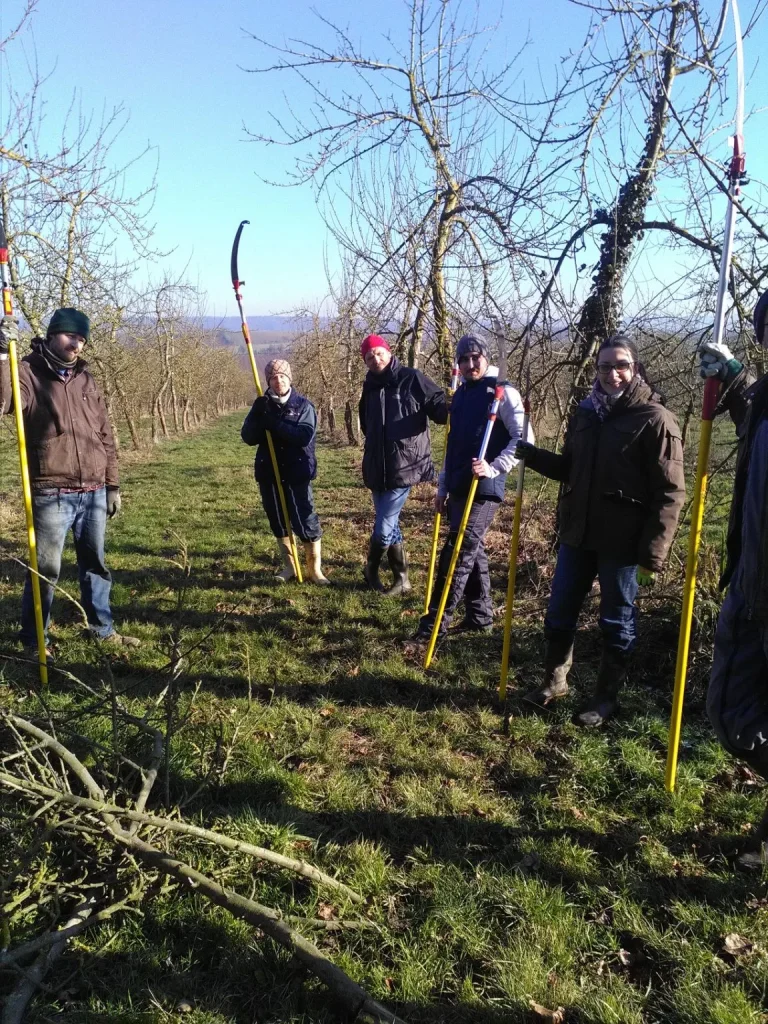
point(292, 421)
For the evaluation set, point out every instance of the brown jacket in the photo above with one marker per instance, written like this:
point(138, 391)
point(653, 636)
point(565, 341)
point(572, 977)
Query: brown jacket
point(69, 439)
point(623, 478)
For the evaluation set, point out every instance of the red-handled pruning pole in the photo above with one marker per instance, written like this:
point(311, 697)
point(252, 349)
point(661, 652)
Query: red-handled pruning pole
point(513, 547)
point(26, 488)
point(236, 284)
point(436, 527)
point(711, 389)
point(498, 395)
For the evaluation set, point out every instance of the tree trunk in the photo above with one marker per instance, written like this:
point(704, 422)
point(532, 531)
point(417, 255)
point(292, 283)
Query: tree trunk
point(349, 423)
point(601, 313)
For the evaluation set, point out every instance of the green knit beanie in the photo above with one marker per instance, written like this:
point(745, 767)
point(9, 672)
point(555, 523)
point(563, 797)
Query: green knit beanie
point(70, 321)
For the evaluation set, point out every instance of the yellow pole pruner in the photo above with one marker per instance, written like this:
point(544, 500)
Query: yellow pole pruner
point(13, 358)
point(711, 389)
point(438, 517)
point(236, 284)
point(498, 396)
point(514, 547)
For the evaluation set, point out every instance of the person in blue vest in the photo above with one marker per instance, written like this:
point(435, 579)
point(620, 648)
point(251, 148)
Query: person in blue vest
point(292, 421)
point(469, 417)
point(737, 698)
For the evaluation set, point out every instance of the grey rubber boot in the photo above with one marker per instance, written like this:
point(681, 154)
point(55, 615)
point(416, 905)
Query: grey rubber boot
point(398, 563)
point(558, 659)
point(610, 679)
point(371, 568)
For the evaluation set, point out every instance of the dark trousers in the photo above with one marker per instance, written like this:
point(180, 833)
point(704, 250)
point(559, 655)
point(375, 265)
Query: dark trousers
point(737, 699)
point(471, 579)
point(301, 510)
point(574, 575)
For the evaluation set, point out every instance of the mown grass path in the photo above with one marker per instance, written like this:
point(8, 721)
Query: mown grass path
point(549, 867)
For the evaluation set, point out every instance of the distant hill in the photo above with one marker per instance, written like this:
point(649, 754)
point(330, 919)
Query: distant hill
point(281, 324)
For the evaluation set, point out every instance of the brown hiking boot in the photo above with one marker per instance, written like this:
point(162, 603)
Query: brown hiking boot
point(558, 659)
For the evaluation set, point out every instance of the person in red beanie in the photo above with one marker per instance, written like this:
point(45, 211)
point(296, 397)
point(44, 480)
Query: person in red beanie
point(394, 408)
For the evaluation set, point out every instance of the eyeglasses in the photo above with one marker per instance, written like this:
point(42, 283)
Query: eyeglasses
point(621, 367)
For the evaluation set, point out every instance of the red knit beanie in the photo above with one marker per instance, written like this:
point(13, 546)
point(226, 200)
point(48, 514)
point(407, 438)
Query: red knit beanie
point(373, 341)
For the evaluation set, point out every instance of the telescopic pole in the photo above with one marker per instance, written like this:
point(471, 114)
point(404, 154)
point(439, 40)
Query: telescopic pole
point(26, 488)
point(236, 284)
point(711, 389)
point(514, 547)
point(498, 395)
point(438, 517)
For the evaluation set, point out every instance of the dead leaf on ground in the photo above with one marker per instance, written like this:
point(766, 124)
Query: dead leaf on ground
point(736, 945)
point(542, 1013)
point(326, 912)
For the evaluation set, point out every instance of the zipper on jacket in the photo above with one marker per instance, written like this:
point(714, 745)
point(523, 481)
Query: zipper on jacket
point(383, 400)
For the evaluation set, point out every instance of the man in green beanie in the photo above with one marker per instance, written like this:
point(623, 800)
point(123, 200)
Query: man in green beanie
point(72, 467)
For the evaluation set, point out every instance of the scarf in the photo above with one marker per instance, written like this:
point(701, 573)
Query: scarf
point(603, 403)
point(57, 365)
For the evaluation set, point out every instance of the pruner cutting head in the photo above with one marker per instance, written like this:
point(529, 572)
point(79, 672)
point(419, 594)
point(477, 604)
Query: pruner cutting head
point(236, 282)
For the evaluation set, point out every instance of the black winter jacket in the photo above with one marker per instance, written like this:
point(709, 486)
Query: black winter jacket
point(747, 403)
point(394, 408)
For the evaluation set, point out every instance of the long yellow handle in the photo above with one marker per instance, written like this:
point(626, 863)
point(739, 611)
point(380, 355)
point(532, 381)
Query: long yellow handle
point(436, 527)
point(433, 557)
point(451, 570)
point(272, 453)
point(27, 493)
point(689, 594)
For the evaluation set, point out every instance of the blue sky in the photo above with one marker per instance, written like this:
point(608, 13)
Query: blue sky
point(176, 67)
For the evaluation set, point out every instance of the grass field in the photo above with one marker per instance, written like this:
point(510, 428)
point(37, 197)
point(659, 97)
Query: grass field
point(508, 876)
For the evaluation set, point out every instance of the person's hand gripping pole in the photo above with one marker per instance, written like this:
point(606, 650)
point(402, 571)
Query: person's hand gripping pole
point(13, 358)
point(236, 284)
point(492, 413)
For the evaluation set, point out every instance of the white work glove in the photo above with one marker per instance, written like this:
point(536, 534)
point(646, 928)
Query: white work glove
point(9, 331)
point(718, 361)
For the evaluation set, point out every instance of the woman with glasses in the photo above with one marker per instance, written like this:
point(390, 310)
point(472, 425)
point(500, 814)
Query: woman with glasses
point(623, 486)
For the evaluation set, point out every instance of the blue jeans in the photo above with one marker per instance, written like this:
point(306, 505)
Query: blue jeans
point(85, 513)
point(574, 575)
point(388, 505)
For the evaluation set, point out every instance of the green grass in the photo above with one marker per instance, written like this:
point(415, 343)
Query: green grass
point(550, 865)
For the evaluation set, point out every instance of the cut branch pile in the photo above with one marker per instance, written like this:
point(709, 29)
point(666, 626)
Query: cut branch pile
point(43, 773)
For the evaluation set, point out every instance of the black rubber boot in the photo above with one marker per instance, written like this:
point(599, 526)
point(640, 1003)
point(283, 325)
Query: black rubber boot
point(610, 679)
point(371, 568)
point(399, 566)
point(558, 659)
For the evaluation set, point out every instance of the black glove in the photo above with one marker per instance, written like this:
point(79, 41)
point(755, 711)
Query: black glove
point(260, 406)
point(524, 450)
point(9, 331)
point(114, 501)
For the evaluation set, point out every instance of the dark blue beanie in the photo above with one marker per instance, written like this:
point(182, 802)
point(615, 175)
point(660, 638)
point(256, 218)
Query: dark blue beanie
point(70, 321)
